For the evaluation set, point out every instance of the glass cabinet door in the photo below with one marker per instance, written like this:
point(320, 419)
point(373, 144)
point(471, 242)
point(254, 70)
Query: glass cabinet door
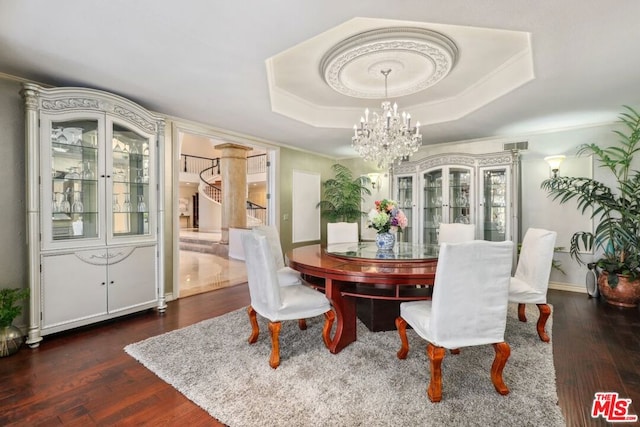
point(494, 204)
point(72, 163)
point(459, 201)
point(432, 200)
point(130, 187)
point(405, 186)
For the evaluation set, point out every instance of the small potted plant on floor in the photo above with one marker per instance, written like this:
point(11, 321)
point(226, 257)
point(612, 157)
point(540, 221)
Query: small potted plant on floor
point(11, 338)
point(617, 210)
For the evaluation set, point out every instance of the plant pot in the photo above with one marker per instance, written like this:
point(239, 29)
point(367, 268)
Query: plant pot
point(625, 294)
point(10, 340)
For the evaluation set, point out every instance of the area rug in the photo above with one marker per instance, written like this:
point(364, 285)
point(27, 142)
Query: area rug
point(212, 364)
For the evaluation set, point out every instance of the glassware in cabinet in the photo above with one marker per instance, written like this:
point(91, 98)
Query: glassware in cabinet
point(405, 187)
point(432, 200)
point(459, 196)
point(130, 186)
point(495, 206)
point(73, 185)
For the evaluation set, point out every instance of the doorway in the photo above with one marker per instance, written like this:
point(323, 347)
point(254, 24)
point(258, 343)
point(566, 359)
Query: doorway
point(201, 264)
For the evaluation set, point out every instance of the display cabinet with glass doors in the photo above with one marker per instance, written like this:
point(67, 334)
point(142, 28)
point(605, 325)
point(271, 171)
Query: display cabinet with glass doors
point(462, 188)
point(92, 207)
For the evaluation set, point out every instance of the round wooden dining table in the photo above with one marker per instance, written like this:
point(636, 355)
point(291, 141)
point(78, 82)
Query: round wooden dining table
point(361, 281)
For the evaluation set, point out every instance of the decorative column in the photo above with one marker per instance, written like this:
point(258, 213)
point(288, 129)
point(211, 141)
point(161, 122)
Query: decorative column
point(32, 152)
point(233, 169)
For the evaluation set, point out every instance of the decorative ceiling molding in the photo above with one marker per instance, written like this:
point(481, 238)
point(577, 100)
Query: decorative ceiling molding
point(418, 57)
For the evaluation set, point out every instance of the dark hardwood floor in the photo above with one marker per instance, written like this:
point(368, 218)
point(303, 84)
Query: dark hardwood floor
point(84, 378)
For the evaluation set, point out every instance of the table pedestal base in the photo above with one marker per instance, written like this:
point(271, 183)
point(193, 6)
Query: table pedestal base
point(378, 315)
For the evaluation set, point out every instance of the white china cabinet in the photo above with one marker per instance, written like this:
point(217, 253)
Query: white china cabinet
point(93, 208)
point(462, 188)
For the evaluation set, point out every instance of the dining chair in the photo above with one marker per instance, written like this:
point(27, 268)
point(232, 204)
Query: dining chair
point(456, 233)
point(468, 307)
point(286, 275)
point(278, 303)
point(530, 283)
point(342, 232)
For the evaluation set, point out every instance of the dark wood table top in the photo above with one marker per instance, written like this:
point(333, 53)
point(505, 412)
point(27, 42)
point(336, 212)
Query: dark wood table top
point(316, 261)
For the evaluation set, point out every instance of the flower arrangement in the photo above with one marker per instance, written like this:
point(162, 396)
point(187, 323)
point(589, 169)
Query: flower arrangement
point(386, 215)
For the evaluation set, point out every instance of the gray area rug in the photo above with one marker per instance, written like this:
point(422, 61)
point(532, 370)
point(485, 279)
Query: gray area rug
point(212, 364)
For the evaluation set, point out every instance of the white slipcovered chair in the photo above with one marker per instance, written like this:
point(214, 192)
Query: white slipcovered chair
point(342, 232)
point(468, 307)
point(275, 302)
point(286, 275)
point(456, 233)
point(530, 283)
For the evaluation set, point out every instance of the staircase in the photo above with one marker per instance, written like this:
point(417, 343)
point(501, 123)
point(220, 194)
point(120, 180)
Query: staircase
point(209, 171)
point(194, 244)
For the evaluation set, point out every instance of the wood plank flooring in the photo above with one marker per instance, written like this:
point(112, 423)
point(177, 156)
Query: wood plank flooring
point(84, 378)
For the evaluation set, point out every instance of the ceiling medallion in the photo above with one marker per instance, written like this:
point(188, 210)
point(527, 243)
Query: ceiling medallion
point(419, 57)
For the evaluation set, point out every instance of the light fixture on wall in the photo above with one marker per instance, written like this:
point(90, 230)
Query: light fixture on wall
point(554, 163)
point(375, 180)
point(387, 136)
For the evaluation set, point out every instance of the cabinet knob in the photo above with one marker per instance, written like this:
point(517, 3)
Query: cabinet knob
point(111, 282)
point(102, 284)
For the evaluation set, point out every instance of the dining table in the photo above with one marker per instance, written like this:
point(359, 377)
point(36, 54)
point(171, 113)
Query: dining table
point(364, 282)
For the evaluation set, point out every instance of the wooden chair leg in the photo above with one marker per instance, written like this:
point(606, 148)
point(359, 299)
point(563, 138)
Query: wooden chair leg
point(302, 324)
point(436, 354)
point(401, 326)
point(545, 312)
point(454, 351)
point(255, 329)
point(503, 351)
point(521, 316)
point(274, 328)
point(329, 317)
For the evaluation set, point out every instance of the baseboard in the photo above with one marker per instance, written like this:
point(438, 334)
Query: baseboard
point(567, 287)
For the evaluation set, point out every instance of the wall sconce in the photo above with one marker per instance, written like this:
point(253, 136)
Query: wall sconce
point(554, 163)
point(375, 180)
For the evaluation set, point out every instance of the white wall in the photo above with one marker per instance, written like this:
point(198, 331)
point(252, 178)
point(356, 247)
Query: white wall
point(13, 251)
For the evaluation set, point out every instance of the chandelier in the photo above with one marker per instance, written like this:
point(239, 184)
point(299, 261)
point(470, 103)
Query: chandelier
point(388, 136)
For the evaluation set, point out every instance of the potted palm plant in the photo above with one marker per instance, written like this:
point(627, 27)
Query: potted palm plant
point(10, 337)
point(343, 195)
point(617, 211)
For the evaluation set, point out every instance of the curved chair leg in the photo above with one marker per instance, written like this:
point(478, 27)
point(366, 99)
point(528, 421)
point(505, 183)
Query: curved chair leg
point(274, 328)
point(436, 354)
point(401, 326)
point(545, 312)
point(521, 316)
point(503, 351)
point(329, 317)
point(302, 324)
point(255, 329)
